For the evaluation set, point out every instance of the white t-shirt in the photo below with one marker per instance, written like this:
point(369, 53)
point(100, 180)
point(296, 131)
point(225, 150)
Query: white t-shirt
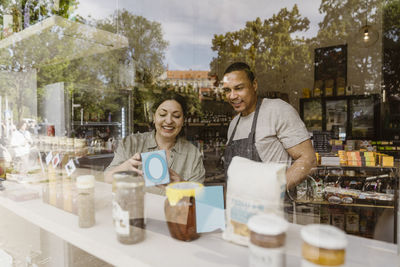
point(279, 127)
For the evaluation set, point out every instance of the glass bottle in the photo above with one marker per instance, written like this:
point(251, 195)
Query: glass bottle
point(86, 210)
point(128, 208)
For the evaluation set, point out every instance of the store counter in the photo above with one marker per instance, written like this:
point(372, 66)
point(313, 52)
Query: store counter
point(159, 249)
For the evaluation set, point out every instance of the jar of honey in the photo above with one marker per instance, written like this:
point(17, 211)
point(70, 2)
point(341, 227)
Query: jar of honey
point(324, 245)
point(180, 210)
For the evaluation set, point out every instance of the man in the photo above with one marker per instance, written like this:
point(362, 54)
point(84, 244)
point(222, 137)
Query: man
point(267, 130)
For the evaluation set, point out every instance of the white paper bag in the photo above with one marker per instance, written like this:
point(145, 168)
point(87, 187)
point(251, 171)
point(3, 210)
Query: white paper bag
point(253, 187)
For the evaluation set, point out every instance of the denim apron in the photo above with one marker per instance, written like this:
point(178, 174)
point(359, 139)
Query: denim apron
point(245, 147)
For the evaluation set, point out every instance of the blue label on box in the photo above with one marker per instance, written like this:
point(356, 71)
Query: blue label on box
point(155, 168)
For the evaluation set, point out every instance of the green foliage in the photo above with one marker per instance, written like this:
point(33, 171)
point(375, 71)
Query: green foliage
point(269, 47)
point(146, 44)
point(391, 49)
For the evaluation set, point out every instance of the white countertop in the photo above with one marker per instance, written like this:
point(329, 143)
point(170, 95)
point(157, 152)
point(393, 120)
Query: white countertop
point(159, 249)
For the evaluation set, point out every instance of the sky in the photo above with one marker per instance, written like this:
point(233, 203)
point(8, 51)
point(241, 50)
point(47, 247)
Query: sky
point(189, 25)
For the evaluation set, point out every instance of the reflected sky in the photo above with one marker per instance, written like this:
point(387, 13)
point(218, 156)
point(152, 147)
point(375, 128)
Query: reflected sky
point(190, 25)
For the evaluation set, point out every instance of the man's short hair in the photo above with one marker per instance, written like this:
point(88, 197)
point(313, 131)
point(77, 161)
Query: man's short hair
point(241, 66)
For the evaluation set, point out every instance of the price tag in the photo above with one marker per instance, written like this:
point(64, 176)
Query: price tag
point(49, 158)
point(56, 160)
point(70, 167)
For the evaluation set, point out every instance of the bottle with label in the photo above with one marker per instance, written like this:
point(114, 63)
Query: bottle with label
point(128, 208)
point(267, 240)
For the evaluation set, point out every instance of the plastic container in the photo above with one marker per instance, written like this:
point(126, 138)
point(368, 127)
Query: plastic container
point(180, 210)
point(267, 240)
point(324, 245)
point(128, 209)
point(86, 209)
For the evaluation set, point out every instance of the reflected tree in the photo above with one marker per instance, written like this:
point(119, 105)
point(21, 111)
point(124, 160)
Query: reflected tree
point(146, 43)
point(341, 25)
point(271, 48)
point(391, 43)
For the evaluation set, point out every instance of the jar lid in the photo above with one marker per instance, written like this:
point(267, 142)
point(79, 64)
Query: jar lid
point(85, 181)
point(324, 236)
point(176, 191)
point(267, 224)
point(129, 183)
point(123, 174)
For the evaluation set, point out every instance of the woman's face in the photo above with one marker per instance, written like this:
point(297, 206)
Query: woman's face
point(168, 119)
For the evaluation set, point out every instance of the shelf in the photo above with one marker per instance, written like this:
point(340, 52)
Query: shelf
point(211, 124)
point(56, 40)
point(342, 204)
point(355, 167)
point(93, 123)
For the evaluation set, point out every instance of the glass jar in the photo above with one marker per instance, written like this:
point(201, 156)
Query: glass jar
point(118, 177)
point(267, 240)
point(86, 211)
point(324, 245)
point(180, 210)
point(128, 209)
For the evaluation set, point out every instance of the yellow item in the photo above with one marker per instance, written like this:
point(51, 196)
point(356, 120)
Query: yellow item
point(177, 191)
point(387, 161)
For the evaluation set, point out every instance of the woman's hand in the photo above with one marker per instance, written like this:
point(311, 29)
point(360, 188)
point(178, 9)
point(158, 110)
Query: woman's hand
point(131, 164)
point(174, 176)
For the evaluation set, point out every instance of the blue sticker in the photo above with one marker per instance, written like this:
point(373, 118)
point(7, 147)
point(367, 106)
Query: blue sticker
point(149, 172)
point(155, 168)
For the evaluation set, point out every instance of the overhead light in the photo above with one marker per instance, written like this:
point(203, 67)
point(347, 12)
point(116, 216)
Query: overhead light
point(367, 35)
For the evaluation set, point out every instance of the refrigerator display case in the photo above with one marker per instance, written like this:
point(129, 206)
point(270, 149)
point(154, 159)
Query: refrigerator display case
point(363, 117)
point(355, 116)
point(311, 113)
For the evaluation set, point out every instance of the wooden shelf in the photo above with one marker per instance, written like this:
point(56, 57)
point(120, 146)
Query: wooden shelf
point(342, 204)
point(56, 40)
point(96, 123)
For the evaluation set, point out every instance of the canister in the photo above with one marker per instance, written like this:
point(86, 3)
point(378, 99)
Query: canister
point(128, 209)
point(86, 208)
point(267, 240)
point(323, 245)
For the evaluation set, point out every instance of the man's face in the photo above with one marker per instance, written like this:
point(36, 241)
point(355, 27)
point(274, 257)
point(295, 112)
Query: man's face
point(240, 92)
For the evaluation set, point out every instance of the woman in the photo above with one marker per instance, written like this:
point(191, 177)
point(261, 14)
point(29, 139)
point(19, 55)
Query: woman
point(184, 159)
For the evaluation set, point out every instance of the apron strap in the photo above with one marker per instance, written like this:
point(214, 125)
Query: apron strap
point(252, 134)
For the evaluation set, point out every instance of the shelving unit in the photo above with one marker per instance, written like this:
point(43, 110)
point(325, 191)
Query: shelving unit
point(329, 174)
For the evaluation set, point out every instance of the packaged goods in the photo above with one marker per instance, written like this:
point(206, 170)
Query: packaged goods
point(253, 187)
point(267, 240)
point(323, 245)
